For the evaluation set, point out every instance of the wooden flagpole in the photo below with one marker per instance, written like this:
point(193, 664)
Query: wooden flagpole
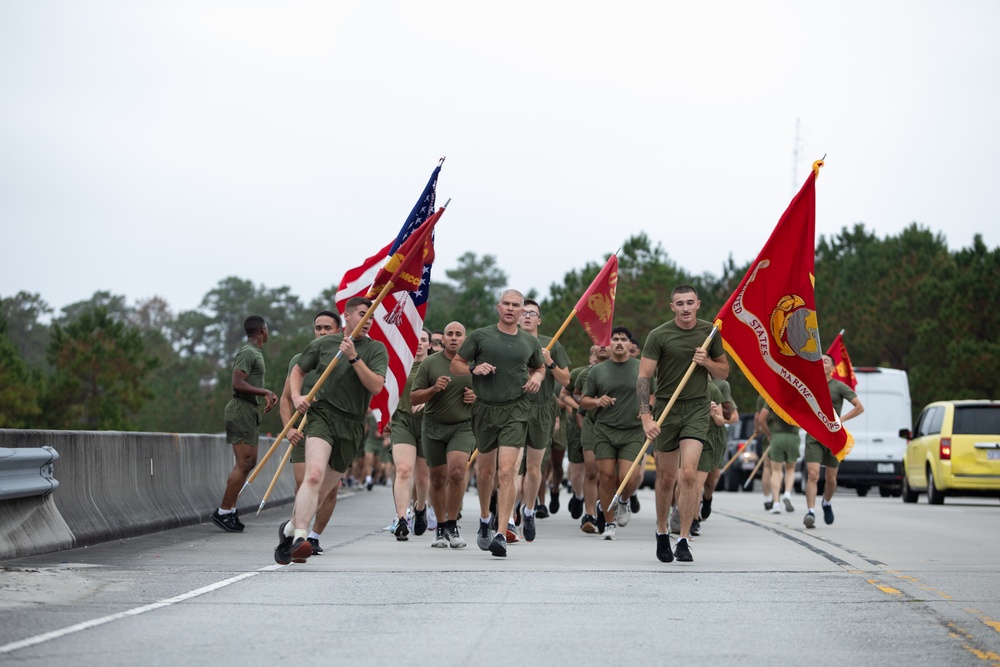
point(386, 290)
point(663, 415)
point(739, 450)
point(281, 466)
point(753, 472)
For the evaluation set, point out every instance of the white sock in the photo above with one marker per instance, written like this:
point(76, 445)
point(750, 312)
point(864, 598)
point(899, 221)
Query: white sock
point(527, 512)
point(289, 529)
point(313, 535)
point(301, 533)
point(826, 503)
point(223, 512)
point(768, 499)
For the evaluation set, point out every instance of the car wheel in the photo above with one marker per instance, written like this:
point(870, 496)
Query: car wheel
point(862, 491)
point(935, 496)
point(909, 495)
point(884, 491)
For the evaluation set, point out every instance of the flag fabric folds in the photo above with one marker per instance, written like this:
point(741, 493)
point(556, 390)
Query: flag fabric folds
point(399, 319)
point(843, 369)
point(596, 308)
point(769, 326)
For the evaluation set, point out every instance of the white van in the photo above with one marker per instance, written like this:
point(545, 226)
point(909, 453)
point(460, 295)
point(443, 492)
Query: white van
point(877, 457)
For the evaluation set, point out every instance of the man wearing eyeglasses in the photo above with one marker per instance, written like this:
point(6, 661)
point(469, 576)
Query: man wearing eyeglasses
point(506, 364)
point(324, 324)
point(543, 409)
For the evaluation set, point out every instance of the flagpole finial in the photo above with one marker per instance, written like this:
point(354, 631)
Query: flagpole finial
point(446, 203)
point(441, 161)
point(818, 164)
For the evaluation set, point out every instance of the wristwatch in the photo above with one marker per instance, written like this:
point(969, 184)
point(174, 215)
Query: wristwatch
point(551, 366)
point(355, 359)
point(472, 367)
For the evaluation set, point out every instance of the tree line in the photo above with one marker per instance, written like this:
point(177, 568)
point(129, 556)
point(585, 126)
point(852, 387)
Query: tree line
point(905, 301)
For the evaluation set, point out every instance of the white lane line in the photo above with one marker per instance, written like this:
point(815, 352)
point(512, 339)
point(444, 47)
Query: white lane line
point(86, 625)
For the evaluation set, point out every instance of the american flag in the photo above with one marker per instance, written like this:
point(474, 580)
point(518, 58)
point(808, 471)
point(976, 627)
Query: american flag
point(399, 319)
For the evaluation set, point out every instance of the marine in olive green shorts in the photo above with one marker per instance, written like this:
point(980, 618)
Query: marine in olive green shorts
point(505, 363)
point(669, 351)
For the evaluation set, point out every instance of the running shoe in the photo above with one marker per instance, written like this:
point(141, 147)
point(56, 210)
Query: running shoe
point(541, 511)
point(675, 520)
point(226, 522)
point(300, 550)
point(575, 506)
point(633, 503)
point(441, 540)
point(663, 552)
point(317, 549)
point(623, 514)
point(283, 552)
point(696, 528)
point(485, 536)
point(529, 527)
point(553, 498)
point(828, 514)
point(511, 534)
point(809, 520)
point(775, 508)
point(454, 537)
point(498, 547)
point(706, 508)
point(588, 524)
point(236, 520)
point(402, 531)
point(420, 521)
point(517, 514)
point(432, 520)
point(600, 518)
point(768, 504)
point(683, 551)
point(787, 499)
point(609, 531)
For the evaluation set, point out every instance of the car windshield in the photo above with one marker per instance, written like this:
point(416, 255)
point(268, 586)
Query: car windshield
point(977, 420)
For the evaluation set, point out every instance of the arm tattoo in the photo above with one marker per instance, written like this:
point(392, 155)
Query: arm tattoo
point(642, 393)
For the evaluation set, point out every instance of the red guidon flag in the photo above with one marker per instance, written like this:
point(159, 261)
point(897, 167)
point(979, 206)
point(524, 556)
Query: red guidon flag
point(596, 308)
point(843, 370)
point(769, 326)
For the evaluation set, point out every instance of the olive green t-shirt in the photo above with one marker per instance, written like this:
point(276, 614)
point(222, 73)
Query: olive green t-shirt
point(343, 389)
point(616, 380)
point(580, 384)
point(672, 348)
point(309, 381)
point(511, 354)
point(446, 407)
point(839, 392)
point(549, 384)
point(404, 400)
point(717, 434)
point(250, 360)
point(725, 390)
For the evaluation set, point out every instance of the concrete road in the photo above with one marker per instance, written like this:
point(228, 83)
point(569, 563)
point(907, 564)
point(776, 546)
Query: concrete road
point(887, 582)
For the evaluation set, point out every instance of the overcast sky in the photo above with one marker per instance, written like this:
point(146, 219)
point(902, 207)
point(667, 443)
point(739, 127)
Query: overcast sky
point(154, 148)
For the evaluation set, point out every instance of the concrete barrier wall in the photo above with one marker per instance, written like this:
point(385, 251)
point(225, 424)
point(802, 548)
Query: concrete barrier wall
point(114, 485)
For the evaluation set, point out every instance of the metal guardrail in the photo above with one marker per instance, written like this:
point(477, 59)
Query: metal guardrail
point(27, 472)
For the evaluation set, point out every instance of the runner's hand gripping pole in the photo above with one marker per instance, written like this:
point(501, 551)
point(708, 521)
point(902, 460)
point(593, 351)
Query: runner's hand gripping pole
point(663, 415)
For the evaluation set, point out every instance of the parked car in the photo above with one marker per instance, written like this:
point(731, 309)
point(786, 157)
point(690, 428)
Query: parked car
point(736, 476)
point(954, 451)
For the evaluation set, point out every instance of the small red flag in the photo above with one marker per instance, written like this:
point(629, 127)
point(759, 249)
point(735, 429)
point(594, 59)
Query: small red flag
point(769, 326)
point(843, 370)
point(596, 308)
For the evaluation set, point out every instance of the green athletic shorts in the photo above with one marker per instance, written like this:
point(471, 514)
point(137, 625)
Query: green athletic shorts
point(688, 420)
point(242, 422)
point(817, 453)
point(784, 448)
point(405, 428)
point(574, 447)
point(618, 443)
point(587, 434)
point(541, 423)
point(712, 451)
point(343, 432)
point(504, 425)
point(438, 440)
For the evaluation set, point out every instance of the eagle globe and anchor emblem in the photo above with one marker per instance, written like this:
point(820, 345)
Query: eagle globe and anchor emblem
point(795, 328)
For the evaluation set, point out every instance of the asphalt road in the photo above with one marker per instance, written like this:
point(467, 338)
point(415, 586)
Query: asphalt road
point(887, 582)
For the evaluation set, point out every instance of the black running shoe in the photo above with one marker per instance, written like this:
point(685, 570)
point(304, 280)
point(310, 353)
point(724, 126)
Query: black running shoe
point(828, 514)
point(575, 506)
point(402, 531)
point(588, 524)
point(484, 536)
point(226, 522)
point(529, 528)
point(683, 551)
point(706, 508)
point(695, 528)
point(541, 511)
point(493, 503)
point(553, 499)
point(633, 503)
point(517, 514)
point(283, 552)
point(317, 549)
point(663, 551)
point(420, 521)
point(498, 547)
point(236, 520)
point(300, 550)
point(599, 524)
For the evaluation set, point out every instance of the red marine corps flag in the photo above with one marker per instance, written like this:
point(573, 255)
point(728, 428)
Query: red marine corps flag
point(596, 308)
point(769, 326)
point(843, 370)
point(399, 319)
